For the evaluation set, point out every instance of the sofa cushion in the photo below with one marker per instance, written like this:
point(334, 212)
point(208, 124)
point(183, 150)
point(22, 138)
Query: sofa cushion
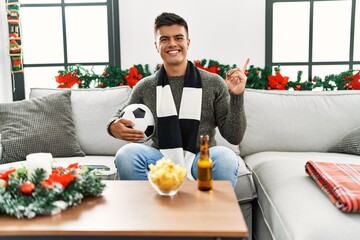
point(92, 108)
point(43, 124)
point(292, 204)
point(245, 188)
point(350, 143)
point(298, 120)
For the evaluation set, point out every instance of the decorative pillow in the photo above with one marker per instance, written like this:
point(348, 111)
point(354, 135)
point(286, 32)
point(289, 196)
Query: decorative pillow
point(350, 143)
point(92, 108)
point(43, 124)
point(297, 121)
point(0, 147)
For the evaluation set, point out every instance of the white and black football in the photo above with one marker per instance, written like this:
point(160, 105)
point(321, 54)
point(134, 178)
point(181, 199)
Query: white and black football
point(142, 117)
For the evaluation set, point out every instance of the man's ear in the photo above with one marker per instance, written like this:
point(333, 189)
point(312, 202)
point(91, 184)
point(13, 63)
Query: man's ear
point(188, 43)
point(157, 49)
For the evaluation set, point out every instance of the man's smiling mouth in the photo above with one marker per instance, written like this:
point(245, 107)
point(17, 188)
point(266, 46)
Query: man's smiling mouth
point(173, 52)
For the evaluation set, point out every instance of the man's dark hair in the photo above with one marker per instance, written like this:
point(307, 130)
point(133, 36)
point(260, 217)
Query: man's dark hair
point(169, 19)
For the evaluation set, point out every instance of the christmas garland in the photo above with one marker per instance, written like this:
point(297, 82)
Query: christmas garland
point(21, 197)
point(257, 78)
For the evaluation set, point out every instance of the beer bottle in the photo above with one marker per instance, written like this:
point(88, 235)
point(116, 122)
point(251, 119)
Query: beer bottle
point(204, 164)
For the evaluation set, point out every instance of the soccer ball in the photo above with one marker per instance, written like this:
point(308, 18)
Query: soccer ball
point(142, 117)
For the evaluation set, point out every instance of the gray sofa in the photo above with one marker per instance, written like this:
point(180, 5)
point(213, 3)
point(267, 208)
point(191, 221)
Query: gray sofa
point(285, 129)
point(91, 110)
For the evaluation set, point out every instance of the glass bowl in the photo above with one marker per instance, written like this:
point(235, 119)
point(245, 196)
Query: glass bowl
point(166, 188)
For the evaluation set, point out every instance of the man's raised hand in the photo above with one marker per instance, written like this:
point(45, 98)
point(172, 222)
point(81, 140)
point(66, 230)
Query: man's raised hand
point(236, 79)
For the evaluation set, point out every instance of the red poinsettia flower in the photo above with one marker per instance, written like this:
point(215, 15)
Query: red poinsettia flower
point(57, 170)
point(66, 81)
point(61, 175)
point(73, 166)
point(213, 69)
point(133, 77)
point(355, 82)
point(278, 82)
point(5, 175)
point(132, 82)
point(63, 179)
point(47, 184)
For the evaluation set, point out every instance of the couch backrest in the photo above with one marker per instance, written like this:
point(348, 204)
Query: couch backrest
point(92, 109)
point(298, 120)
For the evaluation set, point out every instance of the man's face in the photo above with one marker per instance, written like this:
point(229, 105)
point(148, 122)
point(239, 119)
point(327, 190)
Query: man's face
point(172, 43)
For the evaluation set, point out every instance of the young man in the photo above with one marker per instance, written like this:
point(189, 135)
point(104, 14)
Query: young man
point(186, 102)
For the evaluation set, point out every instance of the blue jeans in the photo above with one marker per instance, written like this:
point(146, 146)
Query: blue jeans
point(133, 159)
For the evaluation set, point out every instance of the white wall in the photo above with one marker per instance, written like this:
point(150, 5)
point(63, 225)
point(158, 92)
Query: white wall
point(228, 31)
point(5, 77)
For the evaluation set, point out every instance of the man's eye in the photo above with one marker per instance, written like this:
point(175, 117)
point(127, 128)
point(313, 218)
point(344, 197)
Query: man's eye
point(179, 38)
point(163, 40)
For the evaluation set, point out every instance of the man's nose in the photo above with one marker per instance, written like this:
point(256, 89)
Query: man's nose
point(172, 42)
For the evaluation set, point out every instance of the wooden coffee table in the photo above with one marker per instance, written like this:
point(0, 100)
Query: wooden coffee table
point(133, 208)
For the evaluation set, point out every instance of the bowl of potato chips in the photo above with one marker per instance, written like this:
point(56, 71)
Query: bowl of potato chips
point(166, 177)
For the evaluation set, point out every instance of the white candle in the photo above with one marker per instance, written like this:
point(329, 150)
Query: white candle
point(38, 160)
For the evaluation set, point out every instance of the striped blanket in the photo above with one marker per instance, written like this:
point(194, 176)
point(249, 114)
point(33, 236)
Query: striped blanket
point(339, 181)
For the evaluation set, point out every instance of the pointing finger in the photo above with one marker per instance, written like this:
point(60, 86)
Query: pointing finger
point(245, 65)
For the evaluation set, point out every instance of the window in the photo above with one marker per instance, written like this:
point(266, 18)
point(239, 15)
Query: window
point(315, 36)
point(59, 33)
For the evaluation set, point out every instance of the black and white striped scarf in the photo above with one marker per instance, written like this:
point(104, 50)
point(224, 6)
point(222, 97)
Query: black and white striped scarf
point(177, 132)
